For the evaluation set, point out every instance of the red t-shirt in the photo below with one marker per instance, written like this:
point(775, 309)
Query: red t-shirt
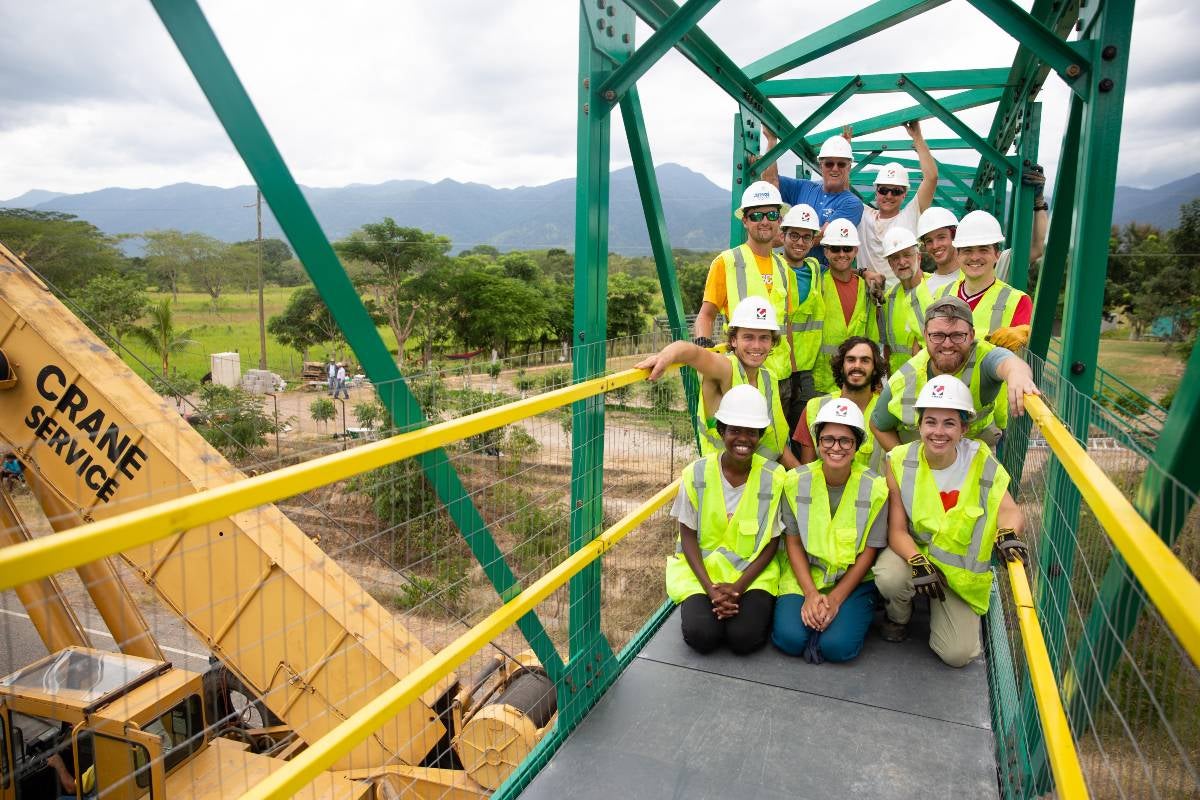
point(802, 434)
point(848, 294)
point(1022, 316)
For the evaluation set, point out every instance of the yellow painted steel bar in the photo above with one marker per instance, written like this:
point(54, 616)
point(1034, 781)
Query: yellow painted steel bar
point(1060, 744)
point(47, 555)
point(1168, 583)
point(328, 749)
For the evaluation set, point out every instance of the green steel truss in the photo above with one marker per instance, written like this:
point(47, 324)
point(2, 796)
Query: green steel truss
point(1093, 64)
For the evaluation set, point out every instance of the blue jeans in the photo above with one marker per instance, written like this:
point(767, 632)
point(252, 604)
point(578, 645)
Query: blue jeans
point(842, 640)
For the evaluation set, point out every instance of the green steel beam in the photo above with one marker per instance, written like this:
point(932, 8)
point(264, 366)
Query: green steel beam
point(646, 56)
point(198, 45)
point(906, 145)
point(1050, 49)
point(1021, 227)
point(656, 227)
point(964, 131)
point(745, 148)
point(863, 163)
point(812, 120)
point(878, 16)
point(894, 119)
point(944, 80)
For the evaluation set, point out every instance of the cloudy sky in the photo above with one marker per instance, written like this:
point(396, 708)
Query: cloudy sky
point(95, 94)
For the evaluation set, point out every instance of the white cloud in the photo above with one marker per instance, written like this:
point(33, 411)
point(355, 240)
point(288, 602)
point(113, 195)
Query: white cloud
point(95, 95)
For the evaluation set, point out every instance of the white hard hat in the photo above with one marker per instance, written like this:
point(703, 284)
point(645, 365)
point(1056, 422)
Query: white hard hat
point(945, 391)
point(933, 218)
point(840, 231)
point(836, 147)
point(892, 174)
point(897, 239)
point(754, 312)
point(976, 228)
point(744, 407)
point(843, 412)
point(761, 193)
point(802, 216)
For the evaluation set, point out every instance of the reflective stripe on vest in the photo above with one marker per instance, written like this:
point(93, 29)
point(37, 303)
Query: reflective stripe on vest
point(783, 311)
point(765, 480)
point(774, 434)
point(908, 374)
point(826, 573)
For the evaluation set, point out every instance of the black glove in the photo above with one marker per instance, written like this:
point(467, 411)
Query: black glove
point(703, 341)
point(1035, 176)
point(926, 578)
point(1010, 546)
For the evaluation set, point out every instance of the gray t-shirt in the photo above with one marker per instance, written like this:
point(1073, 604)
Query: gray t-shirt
point(990, 384)
point(686, 512)
point(876, 537)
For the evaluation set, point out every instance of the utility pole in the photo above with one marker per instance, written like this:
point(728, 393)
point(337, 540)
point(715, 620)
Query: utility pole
point(262, 317)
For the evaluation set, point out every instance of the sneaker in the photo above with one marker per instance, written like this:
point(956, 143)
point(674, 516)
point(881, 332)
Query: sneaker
point(893, 631)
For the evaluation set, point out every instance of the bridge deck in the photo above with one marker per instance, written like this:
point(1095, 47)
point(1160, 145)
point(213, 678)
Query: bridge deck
point(895, 723)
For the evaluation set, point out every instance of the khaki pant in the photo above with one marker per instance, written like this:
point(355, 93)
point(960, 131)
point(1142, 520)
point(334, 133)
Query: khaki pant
point(953, 625)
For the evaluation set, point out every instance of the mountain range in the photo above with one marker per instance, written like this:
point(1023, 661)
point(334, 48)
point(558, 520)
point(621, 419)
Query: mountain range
point(527, 217)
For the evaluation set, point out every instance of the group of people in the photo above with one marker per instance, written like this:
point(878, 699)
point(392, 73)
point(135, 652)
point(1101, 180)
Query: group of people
point(861, 400)
point(339, 380)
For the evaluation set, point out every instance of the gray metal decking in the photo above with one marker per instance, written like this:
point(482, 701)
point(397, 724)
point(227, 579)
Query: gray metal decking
point(894, 723)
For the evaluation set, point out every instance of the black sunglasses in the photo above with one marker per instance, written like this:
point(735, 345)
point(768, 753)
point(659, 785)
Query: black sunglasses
point(838, 248)
point(757, 216)
point(894, 191)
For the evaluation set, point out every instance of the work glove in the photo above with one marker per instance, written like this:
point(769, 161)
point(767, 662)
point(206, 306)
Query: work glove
point(1010, 546)
point(1033, 175)
point(1011, 338)
point(703, 341)
point(926, 578)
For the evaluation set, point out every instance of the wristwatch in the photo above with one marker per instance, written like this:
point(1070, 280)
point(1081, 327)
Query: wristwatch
point(703, 341)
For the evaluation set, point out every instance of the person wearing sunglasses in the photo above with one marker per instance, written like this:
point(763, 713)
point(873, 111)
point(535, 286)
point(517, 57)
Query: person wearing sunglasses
point(858, 373)
point(835, 521)
point(753, 269)
point(849, 309)
point(723, 574)
point(891, 187)
point(950, 512)
point(752, 331)
point(997, 380)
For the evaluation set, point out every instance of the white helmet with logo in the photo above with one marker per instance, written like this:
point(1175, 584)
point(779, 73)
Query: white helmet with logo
point(803, 216)
point(841, 231)
point(761, 193)
point(892, 174)
point(842, 411)
point(744, 407)
point(754, 312)
point(978, 228)
point(945, 391)
point(836, 147)
point(933, 218)
point(897, 239)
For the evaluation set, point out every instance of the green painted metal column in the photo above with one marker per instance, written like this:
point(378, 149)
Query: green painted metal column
point(198, 44)
point(746, 129)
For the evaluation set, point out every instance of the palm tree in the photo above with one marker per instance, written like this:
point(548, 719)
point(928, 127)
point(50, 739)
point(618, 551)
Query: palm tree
point(160, 335)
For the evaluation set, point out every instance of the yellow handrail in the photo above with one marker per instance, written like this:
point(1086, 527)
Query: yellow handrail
point(27, 561)
point(321, 754)
point(1168, 583)
point(1060, 744)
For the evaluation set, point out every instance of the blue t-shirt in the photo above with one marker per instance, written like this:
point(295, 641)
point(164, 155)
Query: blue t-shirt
point(844, 205)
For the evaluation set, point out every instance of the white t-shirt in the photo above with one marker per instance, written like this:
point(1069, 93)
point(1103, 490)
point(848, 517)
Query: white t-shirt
point(871, 231)
point(689, 515)
point(952, 477)
point(1004, 265)
point(341, 373)
point(934, 281)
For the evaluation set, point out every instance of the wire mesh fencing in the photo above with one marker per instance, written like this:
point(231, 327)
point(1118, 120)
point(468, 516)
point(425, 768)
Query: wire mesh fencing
point(1130, 690)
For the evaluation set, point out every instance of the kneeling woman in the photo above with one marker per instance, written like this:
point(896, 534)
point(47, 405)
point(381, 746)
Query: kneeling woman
point(835, 517)
point(950, 510)
point(723, 573)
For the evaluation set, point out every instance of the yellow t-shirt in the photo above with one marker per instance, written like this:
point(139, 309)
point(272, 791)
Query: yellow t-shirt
point(714, 286)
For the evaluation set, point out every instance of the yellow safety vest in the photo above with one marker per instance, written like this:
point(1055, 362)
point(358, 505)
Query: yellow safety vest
point(742, 280)
point(836, 330)
point(832, 538)
point(958, 541)
point(902, 323)
point(868, 455)
point(925, 296)
point(808, 319)
point(729, 540)
point(913, 374)
point(994, 310)
point(773, 440)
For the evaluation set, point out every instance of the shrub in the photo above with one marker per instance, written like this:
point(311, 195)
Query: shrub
point(367, 414)
point(523, 382)
point(321, 410)
point(518, 445)
point(232, 420)
point(556, 378)
point(1167, 399)
point(662, 395)
point(620, 395)
point(494, 368)
point(430, 393)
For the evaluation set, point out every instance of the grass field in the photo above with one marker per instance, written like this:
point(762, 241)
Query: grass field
point(1153, 368)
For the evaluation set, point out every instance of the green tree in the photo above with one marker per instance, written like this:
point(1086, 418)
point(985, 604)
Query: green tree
point(321, 410)
point(233, 420)
point(393, 253)
point(216, 266)
point(66, 251)
point(307, 322)
point(630, 301)
point(276, 255)
point(500, 309)
point(367, 414)
point(171, 256)
point(692, 275)
point(112, 303)
point(1127, 264)
point(160, 334)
